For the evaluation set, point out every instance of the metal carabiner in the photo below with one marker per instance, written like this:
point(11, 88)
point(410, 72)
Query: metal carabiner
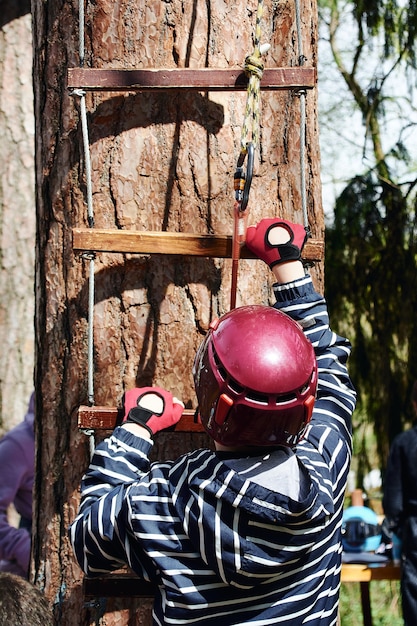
point(243, 180)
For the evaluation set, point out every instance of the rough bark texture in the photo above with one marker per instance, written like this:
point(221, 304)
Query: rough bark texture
point(17, 213)
point(159, 162)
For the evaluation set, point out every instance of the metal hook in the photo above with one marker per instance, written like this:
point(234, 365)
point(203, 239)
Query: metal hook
point(242, 195)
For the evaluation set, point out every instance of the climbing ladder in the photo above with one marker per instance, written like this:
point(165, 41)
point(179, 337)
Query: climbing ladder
point(90, 241)
point(93, 240)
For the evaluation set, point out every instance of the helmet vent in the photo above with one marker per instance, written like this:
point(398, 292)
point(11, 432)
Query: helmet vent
point(234, 386)
point(286, 398)
point(257, 397)
point(306, 387)
point(220, 369)
point(222, 373)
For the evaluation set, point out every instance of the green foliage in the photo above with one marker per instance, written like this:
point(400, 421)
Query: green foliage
point(371, 285)
point(396, 21)
point(385, 604)
point(371, 253)
point(371, 250)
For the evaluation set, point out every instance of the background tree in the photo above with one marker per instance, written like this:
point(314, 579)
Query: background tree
point(159, 162)
point(17, 212)
point(371, 242)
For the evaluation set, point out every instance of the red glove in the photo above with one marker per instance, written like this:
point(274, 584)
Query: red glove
point(277, 246)
point(152, 407)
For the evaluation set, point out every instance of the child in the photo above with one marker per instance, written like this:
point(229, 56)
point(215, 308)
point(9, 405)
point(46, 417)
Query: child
point(250, 532)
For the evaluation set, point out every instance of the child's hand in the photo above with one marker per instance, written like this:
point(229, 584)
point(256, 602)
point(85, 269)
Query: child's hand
point(276, 241)
point(152, 407)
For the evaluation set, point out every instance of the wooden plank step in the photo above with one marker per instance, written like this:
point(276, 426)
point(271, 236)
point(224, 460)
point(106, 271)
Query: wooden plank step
point(117, 585)
point(203, 79)
point(187, 244)
point(107, 418)
point(123, 585)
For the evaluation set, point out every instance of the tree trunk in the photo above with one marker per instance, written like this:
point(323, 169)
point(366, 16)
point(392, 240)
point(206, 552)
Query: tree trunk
point(160, 161)
point(17, 213)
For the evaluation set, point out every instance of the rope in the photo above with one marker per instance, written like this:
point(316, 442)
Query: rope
point(90, 256)
point(90, 211)
point(302, 96)
point(90, 336)
point(248, 142)
point(87, 159)
point(81, 44)
point(254, 70)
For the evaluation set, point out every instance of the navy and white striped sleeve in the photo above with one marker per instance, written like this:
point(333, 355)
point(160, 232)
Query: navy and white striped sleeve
point(99, 540)
point(336, 396)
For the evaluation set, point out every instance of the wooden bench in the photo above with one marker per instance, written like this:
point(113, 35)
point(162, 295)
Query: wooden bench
point(364, 574)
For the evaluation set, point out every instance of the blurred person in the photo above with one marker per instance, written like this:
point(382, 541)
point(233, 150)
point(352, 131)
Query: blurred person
point(17, 468)
point(400, 508)
point(249, 532)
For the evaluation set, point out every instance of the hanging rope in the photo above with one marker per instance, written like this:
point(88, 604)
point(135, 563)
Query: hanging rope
point(90, 256)
point(90, 211)
point(254, 70)
point(248, 143)
point(302, 96)
point(81, 43)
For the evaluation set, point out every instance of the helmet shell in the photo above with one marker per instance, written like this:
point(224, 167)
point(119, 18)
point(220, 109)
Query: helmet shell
point(361, 531)
point(255, 376)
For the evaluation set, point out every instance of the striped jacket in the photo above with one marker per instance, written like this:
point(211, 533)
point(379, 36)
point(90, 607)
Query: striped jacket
point(222, 549)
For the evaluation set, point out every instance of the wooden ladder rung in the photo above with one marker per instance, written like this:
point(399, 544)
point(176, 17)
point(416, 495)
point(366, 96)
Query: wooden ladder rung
point(107, 418)
point(187, 244)
point(117, 585)
point(122, 585)
point(203, 79)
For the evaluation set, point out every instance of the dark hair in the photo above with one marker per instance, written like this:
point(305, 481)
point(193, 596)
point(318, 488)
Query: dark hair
point(21, 603)
point(414, 393)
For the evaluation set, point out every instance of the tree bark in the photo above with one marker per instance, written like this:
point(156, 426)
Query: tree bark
point(160, 161)
point(17, 213)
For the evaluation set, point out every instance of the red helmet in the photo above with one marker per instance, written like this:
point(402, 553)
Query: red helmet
point(255, 376)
